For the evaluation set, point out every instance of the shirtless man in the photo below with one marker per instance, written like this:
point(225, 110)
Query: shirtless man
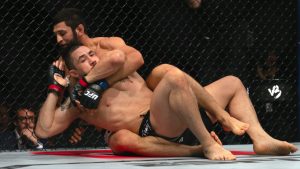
point(65, 33)
point(69, 26)
point(130, 104)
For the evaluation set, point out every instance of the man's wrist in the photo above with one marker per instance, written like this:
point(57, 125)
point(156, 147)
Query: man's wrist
point(88, 79)
point(103, 84)
point(56, 89)
point(39, 145)
point(83, 82)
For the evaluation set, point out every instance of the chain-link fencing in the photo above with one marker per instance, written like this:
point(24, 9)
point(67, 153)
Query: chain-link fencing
point(222, 37)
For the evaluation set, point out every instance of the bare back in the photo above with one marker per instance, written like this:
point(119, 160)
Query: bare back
point(122, 105)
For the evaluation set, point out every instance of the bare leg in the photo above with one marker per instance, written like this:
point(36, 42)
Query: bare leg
point(174, 108)
point(125, 141)
point(237, 100)
point(204, 99)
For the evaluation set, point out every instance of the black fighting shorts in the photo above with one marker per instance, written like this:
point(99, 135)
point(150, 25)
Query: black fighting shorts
point(187, 137)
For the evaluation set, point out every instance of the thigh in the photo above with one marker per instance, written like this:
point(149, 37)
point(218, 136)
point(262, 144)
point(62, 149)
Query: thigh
point(163, 119)
point(221, 90)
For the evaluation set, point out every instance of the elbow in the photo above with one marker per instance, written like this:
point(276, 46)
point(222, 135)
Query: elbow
point(117, 58)
point(41, 133)
point(123, 141)
point(139, 60)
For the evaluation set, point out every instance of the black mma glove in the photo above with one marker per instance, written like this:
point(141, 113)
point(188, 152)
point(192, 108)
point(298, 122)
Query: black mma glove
point(54, 86)
point(79, 88)
point(92, 95)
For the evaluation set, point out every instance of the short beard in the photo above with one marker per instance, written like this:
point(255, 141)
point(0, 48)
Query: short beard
point(73, 41)
point(75, 37)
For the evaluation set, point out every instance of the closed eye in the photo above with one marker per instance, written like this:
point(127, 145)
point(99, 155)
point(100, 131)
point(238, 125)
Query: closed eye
point(81, 59)
point(92, 53)
point(61, 33)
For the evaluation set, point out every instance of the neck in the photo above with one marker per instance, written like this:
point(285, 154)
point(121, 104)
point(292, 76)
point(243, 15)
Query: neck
point(85, 40)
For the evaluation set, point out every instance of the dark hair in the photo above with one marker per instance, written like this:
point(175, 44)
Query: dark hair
point(66, 53)
point(71, 16)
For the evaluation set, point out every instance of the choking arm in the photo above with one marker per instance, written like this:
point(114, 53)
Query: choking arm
point(119, 62)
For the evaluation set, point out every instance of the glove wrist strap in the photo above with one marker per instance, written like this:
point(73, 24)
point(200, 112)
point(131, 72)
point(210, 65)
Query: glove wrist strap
point(103, 84)
point(83, 82)
point(55, 88)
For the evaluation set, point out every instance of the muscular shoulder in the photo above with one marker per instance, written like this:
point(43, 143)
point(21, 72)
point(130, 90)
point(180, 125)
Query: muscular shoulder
point(109, 42)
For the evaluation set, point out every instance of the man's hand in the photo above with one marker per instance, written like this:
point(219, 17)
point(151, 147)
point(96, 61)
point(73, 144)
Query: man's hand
point(77, 135)
point(91, 96)
point(215, 137)
point(88, 95)
point(57, 83)
point(78, 89)
point(29, 134)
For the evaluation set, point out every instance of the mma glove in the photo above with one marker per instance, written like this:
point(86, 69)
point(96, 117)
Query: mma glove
point(54, 86)
point(89, 94)
point(79, 88)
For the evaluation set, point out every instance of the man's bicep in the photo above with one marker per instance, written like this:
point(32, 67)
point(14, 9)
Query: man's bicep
point(62, 119)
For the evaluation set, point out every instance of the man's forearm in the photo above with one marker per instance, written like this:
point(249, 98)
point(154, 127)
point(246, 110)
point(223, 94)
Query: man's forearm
point(47, 113)
point(106, 66)
point(133, 62)
point(121, 64)
point(30, 135)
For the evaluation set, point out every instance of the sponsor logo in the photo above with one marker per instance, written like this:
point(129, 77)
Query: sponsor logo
point(275, 91)
point(91, 95)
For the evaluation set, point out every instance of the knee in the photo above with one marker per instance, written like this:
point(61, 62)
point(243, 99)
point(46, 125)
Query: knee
point(162, 69)
point(158, 72)
point(176, 78)
point(118, 140)
point(235, 81)
point(121, 141)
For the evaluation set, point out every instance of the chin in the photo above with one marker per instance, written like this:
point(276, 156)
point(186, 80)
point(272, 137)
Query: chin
point(63, 46)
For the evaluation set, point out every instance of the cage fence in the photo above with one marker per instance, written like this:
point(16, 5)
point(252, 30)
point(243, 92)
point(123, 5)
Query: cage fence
point(222, 37)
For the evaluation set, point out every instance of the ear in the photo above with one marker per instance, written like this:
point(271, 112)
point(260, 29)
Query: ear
point(80, 30)
point(74, 73)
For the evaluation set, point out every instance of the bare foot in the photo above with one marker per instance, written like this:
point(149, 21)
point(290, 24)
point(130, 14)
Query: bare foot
point(199, 151)
point(234, 125)
point(271, 146)
point(217, 152)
